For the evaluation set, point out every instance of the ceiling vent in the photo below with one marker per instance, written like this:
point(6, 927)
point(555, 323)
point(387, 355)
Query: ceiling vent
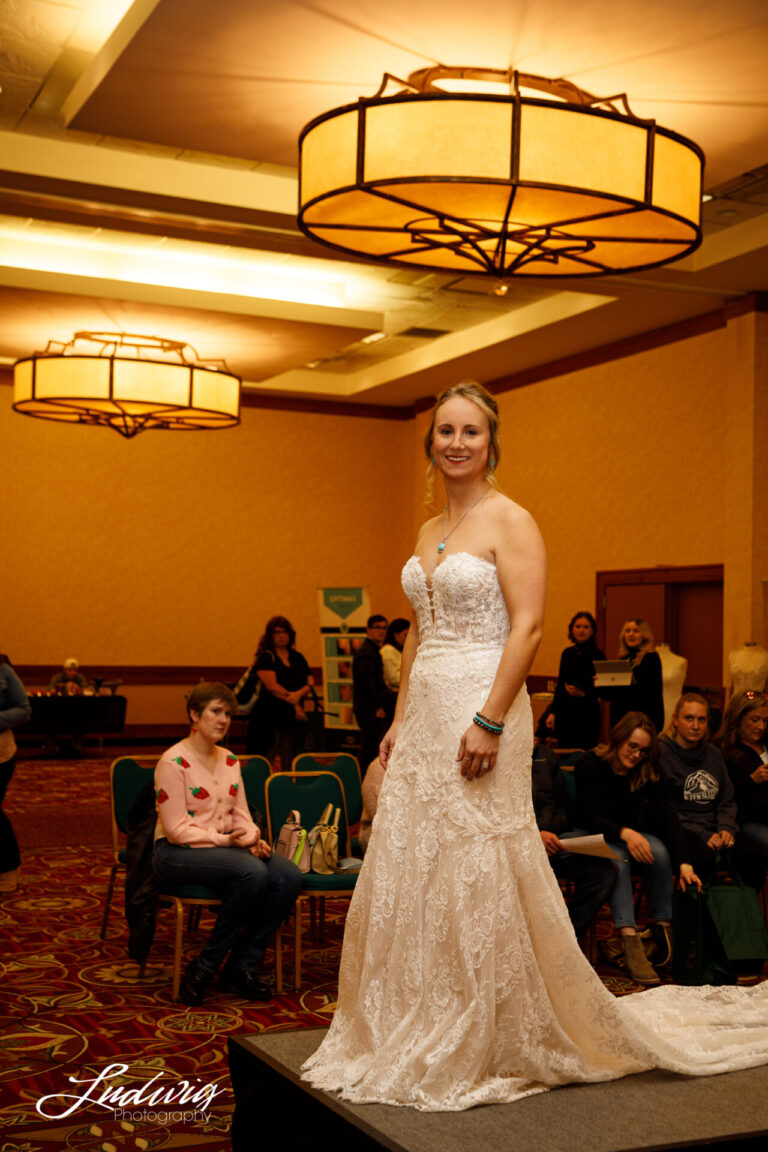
point(751, 187)
point(417, 333)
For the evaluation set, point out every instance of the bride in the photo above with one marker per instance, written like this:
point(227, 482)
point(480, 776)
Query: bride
point(461, 980)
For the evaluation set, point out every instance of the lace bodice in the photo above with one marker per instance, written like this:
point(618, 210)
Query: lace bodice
point(461, 604)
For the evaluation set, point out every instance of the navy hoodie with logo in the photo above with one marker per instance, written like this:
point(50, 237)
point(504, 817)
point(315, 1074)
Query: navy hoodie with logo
point(701, 787)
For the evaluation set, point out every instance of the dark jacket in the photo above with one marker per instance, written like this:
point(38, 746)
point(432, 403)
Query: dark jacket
point(644, 694)
point(751, 797)
point(369, 692)
point(606, 803)
point(701, 787)
point(141, 888)
point(551, 798)
point(577, 718)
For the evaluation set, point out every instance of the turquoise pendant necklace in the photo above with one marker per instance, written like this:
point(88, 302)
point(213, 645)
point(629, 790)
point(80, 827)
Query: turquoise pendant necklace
point(441, 545)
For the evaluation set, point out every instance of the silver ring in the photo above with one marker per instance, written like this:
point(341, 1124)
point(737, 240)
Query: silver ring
point(467, 757)
point(485, 763)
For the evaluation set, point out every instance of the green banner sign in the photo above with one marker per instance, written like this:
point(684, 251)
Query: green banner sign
point(343, 601)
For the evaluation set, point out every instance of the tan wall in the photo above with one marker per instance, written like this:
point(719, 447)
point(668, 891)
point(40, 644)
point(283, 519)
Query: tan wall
point(176, 548)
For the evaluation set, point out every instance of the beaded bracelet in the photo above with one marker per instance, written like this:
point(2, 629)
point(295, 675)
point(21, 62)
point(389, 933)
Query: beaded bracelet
point(492, 726)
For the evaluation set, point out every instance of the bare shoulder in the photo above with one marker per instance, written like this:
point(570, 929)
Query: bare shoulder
point(424, 531)
point(513, 525)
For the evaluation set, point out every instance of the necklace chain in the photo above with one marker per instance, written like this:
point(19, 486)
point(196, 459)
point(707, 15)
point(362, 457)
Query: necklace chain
point(441, 545)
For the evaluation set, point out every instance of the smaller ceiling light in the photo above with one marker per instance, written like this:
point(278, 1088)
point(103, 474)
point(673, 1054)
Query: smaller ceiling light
point(499, 173)
point(128, 383)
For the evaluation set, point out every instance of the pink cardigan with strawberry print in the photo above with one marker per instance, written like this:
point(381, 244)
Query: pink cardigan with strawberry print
point(196, 809)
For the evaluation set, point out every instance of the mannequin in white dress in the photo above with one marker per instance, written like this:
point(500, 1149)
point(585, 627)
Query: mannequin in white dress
point(748, 667)
point(461, 980)
point(673, 673)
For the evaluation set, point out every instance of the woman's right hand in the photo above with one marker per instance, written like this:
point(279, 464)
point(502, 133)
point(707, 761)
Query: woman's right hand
point(388, 743)
point(638, 846)
point(235, 838)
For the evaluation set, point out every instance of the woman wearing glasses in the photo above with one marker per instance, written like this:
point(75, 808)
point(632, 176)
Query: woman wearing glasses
point(742, 743)
point(621, 793)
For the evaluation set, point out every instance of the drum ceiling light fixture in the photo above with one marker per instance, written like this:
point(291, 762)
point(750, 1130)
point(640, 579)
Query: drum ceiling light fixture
point(464, 170)
point(128, 383)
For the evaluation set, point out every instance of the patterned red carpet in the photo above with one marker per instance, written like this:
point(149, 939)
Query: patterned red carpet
point(76, 1020)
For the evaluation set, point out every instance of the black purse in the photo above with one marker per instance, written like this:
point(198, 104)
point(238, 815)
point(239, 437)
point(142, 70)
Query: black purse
point(698, 955)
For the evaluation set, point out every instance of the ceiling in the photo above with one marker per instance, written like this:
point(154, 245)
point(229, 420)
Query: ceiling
point(148, 181)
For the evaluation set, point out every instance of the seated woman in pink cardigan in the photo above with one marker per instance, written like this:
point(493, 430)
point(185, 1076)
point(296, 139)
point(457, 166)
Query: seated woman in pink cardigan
point(205, 835)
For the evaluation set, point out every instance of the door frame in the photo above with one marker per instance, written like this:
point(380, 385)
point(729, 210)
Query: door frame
point(668, 575)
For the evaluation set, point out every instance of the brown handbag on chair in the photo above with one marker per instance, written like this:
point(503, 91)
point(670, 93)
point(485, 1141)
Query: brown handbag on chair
point(324, 842)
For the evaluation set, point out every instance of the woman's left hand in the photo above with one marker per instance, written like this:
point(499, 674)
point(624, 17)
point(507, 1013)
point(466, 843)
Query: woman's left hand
point(477, 752)
point(688, 876)
point(261, 849)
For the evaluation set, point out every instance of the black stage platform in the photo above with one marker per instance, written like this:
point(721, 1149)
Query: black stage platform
point(652, 1111)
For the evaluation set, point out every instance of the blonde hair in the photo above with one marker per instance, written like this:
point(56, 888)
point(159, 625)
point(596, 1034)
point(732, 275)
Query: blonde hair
point(648, 644)
point(470, 390)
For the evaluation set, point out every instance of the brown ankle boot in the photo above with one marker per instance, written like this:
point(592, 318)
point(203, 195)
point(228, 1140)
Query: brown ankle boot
point(638, 965)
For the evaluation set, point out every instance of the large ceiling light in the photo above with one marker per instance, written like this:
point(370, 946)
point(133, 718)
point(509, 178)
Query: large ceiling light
point(126, 382)
point(499, 181)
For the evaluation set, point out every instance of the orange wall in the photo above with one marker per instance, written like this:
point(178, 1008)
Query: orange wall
point(176, 548)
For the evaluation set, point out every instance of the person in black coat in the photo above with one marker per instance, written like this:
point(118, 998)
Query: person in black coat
point(575, 713)
point(742, 744)
point(645, 694)
point(373, 703)
point(278, 723)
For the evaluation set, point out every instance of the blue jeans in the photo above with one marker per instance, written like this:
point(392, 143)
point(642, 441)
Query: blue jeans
point(256, 897)
point(658, 875)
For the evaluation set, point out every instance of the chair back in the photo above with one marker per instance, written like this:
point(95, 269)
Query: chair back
point(127, 777)
point(308, 792)
point(255, 771)
point(346, 768)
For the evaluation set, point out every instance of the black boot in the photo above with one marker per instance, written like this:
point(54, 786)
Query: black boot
point(244, 983)
point(194, 983)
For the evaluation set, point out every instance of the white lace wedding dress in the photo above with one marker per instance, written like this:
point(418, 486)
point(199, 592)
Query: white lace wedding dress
point(461, 981)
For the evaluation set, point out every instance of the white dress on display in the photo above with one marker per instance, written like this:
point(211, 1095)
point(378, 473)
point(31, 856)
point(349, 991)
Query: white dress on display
point(748, 666)
point(461, 980)
point(673, 672)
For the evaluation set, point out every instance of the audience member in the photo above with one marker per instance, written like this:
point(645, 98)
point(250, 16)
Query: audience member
point(373, 703)
point(741, 741)
point(620, 792)
point(575, 712)
point(704, 795)
point(646, 692)
point(592, 877)
point(14, 711)
point(69, 681)
point(205, 835)
point(392, 652)
point(278, 722)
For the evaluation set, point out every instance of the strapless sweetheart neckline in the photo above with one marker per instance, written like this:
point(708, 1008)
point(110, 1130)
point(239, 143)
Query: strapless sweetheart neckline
point(446, 557)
